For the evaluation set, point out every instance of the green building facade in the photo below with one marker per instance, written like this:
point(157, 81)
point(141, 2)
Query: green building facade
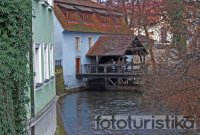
point(43, 100)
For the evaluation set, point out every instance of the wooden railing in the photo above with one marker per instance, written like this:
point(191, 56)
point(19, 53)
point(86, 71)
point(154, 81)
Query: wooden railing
point(113, 68)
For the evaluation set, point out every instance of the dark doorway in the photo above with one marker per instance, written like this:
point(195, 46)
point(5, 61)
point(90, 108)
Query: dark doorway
point(78, 65)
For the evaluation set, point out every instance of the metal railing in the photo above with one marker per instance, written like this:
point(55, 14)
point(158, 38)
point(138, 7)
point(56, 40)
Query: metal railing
point(58, 63)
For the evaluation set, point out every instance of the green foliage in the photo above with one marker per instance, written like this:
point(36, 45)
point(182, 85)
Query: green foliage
point(15, 39)
point(60, 88)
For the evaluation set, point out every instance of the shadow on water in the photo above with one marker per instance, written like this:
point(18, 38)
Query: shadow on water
point(79, 111)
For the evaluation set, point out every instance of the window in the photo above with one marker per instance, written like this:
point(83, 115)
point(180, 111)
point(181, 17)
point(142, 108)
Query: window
point(37, 64)
point(47, 2)
point(86, 17)
point(116, 20)
point(50, 2)
point(46, 62)
point(70, 15)
point(51, 61)
point(78, 43)
point(103, 19)
point(58, 63)
point(90, 42)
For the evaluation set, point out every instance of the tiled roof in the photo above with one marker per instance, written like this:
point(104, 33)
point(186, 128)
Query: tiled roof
point(83, 9)
point(113, 45)
point(86, 3)
point(87, 6)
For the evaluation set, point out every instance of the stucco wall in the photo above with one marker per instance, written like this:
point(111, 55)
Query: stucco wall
point(47, 125)
point(43, 29)
point(58, 39)
point(69, 55)
point(42, 23)
point(65, 50)
point(44, 95)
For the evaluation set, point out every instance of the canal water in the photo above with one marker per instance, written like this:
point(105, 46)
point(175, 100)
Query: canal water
point(78, 112)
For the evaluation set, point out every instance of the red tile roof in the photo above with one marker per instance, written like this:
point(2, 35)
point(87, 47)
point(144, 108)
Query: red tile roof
point(87, 6)
point(86, 3)
point(114, 45)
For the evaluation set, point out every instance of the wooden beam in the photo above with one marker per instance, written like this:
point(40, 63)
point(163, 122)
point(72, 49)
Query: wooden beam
point(112, 82)
point(97, 59)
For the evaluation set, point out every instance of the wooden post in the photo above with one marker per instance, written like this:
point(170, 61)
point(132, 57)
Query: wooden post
point(97, 59)
point(105, 68)
point(118, 81)
point(132, 63)
point(106, 82)
point(89, 69)
point(144, 58)
point(140, 58)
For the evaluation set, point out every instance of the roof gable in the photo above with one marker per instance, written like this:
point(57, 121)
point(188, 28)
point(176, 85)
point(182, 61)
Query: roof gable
point(115, 45)
point(86, 3)
point(101, 20)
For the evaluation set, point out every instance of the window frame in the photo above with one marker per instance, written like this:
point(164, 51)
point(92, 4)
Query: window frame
point(46, 62)
point(71, 15)
point(50, 2)
point(86, 17)
point(78, 43)
point(117, 20)
point(51, 60)
point(37, 64)
point(90, 41)
point(104, 19)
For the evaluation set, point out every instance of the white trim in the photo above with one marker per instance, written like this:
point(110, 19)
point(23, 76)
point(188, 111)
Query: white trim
point(47, 83)
point(50, 2)
point(50, 8)
point(51, 60)
point(37, 63)
point(38, 89)
point(47, 3)
point(90, 44)
point(78, 56)
point(78, 43)
point(46, 61)
point(44, 3)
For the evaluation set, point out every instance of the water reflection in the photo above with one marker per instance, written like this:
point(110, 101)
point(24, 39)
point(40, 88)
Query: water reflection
point(80, 109)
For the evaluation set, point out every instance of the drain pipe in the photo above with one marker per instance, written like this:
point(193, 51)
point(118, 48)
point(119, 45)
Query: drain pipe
point(31, 81)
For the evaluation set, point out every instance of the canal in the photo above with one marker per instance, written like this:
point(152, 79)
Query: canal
point(78, 111)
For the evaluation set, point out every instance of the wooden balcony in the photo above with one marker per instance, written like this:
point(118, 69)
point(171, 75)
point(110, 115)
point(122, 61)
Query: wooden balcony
point(112, 70)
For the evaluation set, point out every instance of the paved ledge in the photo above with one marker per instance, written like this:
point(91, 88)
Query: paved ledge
point(33, 121)
point(73, 90)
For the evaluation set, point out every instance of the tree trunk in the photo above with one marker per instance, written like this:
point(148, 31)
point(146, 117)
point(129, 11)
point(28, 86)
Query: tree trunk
point(150, 46)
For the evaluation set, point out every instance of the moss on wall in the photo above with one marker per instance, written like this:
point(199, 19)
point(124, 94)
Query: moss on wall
point(60, 88)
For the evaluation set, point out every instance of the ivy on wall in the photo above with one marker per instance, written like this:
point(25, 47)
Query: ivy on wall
point(15, 39)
